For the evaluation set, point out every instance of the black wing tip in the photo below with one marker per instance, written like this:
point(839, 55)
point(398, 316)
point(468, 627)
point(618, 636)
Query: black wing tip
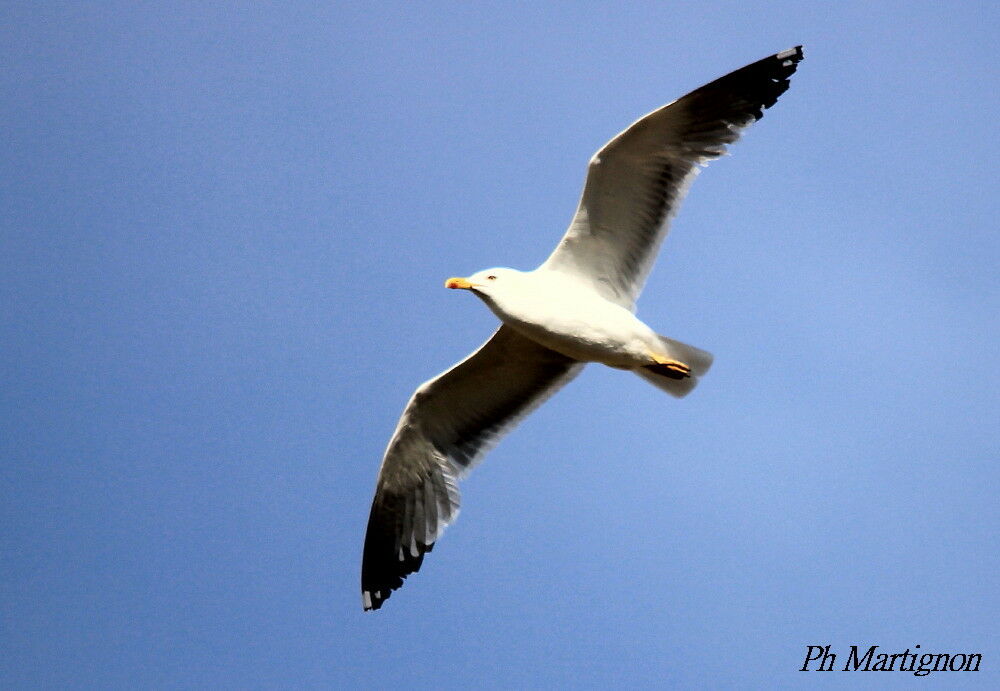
point(381, 573)
point(383, 566)
point(775, 70)
point(747, 91)
point(780, 67)
point(372, 600)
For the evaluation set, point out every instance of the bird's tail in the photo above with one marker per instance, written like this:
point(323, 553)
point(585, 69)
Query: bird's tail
point(671, 378)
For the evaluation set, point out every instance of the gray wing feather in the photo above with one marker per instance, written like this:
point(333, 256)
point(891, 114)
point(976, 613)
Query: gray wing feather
point(450, 423)
point(636, 182)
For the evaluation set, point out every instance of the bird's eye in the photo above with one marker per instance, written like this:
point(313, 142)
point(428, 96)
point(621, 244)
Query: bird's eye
point(491, 278)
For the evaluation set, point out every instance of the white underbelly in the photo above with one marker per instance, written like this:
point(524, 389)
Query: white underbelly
point(613, 337)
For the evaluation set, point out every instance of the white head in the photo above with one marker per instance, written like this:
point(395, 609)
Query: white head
point(490, 284)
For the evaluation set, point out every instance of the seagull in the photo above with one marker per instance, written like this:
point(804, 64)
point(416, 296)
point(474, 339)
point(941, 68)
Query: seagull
point(577, 307)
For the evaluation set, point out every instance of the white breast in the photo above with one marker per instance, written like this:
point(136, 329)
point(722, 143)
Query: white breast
point(570, 318)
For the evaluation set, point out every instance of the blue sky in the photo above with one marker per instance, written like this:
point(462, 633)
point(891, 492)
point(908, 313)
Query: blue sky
point(224, 235)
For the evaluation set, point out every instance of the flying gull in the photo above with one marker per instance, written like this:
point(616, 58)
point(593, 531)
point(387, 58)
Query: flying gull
point(577, 307)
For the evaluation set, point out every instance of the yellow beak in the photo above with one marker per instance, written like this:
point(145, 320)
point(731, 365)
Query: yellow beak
point(462, 283)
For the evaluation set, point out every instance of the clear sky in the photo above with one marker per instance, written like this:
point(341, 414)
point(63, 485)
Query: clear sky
point(224, 234)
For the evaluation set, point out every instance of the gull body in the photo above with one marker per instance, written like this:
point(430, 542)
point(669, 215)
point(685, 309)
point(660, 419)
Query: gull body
point(564, 314)
point(577, 307)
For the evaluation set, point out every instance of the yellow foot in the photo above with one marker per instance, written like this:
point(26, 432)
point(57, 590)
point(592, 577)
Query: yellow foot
point(668, 367)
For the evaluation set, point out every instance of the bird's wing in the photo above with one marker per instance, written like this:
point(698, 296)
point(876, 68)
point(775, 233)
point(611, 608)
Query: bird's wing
point(449, 423)
point(636, 182)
